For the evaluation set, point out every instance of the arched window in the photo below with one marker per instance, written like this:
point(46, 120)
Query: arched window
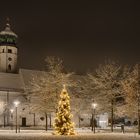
point(9, 67)
point(3, 50)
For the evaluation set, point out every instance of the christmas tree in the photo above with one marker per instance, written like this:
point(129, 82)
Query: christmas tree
point(63, 124)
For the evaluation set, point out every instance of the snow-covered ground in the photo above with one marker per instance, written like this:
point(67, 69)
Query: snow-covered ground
point(82, 135)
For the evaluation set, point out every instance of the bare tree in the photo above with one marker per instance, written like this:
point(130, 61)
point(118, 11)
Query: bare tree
point(81, 97)
point(131, 86)
point(106, 83)
point(44, 89)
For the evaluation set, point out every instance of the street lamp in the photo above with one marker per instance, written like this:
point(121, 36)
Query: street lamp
point(11, 110)
point(93, 116)
point(16, 103)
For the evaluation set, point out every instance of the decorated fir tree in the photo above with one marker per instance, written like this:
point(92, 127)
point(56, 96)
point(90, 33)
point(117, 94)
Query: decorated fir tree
point(63, 124)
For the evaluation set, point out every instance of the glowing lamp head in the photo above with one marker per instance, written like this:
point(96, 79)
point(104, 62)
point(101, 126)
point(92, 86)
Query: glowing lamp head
point(94, 105)
point(16, 103)
point(11, 110)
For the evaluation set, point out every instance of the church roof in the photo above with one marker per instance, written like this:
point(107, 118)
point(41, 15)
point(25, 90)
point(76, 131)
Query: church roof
point(27, 75)
point(18, 82)
point(11, 82)
point(8, 31)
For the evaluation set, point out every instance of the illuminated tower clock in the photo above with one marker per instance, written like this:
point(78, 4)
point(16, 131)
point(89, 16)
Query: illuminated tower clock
point(8, 50)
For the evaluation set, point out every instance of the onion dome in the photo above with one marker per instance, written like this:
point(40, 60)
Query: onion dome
point(7, 36)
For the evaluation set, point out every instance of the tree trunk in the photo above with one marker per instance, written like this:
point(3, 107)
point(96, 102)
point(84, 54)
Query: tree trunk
point(79, 120)
point(50, 120)
point(92, 123)
point(34, 119)
point(46, 127)
point(138, 117)
point(112, 115)
point(4, 120)
point(139, 122)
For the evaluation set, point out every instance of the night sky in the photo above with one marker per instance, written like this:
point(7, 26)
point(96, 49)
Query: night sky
point(82, 32)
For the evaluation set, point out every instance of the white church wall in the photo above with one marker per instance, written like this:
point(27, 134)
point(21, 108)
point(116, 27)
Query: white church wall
point(6, 104)
point(8, 58)
point(3, 62)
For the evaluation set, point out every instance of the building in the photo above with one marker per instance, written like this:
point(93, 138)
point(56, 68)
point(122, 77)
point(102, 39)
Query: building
point(12, 87)
point(13, 82)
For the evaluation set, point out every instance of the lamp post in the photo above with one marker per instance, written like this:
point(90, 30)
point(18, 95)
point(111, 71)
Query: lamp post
point(16, 103)
point(93, 116)
point(12, 110)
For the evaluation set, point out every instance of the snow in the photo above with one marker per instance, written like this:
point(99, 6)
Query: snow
point(8, 31)
point(82, 135)
point(11, 81)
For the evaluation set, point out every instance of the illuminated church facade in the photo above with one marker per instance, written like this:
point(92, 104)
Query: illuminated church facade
point(12, 86)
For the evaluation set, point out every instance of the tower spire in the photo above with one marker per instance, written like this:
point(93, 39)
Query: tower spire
point(8, 23)
point(8, 49)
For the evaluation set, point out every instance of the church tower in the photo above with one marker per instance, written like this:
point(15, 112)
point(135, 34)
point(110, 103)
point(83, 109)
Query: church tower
point(8, 50)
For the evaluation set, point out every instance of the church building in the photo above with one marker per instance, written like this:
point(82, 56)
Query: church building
point(13, 82)
point(12, 87)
